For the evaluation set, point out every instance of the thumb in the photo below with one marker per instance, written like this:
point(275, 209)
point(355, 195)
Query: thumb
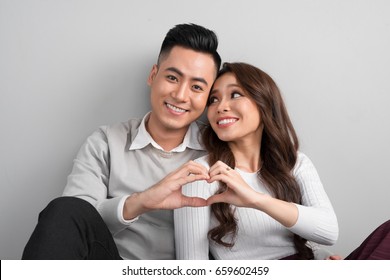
point(215, 199)
point(193, 201)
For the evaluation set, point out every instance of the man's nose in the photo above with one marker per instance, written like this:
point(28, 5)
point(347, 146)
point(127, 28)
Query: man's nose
point(181, 93)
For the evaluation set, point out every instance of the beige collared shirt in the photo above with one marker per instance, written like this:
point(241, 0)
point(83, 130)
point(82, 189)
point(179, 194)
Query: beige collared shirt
point(118, 160)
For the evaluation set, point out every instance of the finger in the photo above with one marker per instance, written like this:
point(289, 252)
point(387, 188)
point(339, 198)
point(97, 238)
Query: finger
point(215, 171)
point(216, 198)
point(225, 178)
point(197, 171)
point(194, 168)
point(217, 166)
point(217, 177)
point(191, 178)
point(188, 201)
point(220, 170)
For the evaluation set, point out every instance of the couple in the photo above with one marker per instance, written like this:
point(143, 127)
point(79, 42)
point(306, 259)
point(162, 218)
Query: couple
point(127, 178)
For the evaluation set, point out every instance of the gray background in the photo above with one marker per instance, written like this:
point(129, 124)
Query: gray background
point(67, 67)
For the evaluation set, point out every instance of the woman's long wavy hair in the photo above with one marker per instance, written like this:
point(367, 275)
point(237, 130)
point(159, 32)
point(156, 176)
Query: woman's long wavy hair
point(278, 153)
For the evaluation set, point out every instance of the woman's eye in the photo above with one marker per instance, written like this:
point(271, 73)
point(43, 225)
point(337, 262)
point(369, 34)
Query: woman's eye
point(212, 100)
point(236, 94)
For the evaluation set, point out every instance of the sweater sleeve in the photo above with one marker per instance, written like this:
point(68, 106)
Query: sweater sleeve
point(317, 220)
point(192, 225)
point(90, 177)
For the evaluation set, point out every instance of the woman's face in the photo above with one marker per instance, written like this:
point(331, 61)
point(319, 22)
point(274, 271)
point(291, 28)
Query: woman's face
point(232, 113)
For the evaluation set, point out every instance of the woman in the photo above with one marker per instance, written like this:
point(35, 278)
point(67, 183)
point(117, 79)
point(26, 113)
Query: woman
point(266, 198)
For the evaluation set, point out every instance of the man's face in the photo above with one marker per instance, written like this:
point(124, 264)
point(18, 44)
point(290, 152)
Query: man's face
point(180, 86)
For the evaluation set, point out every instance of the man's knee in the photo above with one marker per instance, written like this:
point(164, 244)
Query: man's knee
point(65, 207)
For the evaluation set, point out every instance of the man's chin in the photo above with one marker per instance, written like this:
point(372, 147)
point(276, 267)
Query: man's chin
point(177, 125)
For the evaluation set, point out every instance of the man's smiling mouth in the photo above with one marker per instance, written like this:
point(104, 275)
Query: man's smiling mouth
point(175, 109)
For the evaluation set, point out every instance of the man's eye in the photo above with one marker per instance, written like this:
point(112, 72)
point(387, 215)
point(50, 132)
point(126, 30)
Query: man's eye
point(172, 78)
point(197, 88)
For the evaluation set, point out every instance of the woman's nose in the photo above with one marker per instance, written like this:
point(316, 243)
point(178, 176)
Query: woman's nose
point(223, 106)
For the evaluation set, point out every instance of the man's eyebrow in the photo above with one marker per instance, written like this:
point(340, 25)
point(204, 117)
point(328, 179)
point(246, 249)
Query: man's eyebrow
point(180, 73)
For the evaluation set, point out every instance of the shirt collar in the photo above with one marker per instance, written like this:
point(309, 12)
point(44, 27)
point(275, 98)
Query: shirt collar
point(143, 138)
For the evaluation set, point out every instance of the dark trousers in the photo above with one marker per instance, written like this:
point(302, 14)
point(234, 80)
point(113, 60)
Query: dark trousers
point(70, 228)
point(375, 247)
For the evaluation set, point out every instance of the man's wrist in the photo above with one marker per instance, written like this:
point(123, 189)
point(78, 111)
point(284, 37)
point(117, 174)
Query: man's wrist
point(133, 207)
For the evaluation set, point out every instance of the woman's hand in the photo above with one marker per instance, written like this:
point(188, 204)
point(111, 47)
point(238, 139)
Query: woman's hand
point(335, 257)
point(238, 193)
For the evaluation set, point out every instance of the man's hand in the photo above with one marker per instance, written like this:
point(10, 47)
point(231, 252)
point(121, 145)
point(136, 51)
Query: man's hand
point(167, 193)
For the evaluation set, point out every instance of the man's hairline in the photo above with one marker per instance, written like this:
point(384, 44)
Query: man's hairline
point(165, 53)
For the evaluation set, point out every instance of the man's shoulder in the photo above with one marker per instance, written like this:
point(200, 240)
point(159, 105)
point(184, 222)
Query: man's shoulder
point(133, 124)
point(124, 127)
point(119, 132)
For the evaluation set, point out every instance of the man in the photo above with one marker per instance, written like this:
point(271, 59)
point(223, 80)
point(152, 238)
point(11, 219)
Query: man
point(132, 172)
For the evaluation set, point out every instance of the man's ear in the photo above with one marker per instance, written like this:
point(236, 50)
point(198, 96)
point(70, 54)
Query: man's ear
point(152, 74)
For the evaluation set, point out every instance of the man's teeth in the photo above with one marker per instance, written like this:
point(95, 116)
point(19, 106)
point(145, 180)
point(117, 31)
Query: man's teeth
point(179, 110)
point(226, 121)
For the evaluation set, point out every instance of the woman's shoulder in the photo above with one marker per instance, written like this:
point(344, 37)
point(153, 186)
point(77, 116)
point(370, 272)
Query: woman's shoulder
point(303, 161)
point(302, 156)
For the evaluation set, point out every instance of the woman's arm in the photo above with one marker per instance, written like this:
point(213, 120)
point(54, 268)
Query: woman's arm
point(317, 220)
point(314, 220)
point(240, 194)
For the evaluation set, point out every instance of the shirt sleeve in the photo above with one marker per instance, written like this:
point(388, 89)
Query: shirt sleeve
point(317, 220)
point(89, 180)
point(192, 225)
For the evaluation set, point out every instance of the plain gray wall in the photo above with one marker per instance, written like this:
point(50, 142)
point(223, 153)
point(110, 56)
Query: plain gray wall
point(67, 67)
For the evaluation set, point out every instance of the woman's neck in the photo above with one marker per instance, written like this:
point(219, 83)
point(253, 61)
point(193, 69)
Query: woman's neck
point(247, 156)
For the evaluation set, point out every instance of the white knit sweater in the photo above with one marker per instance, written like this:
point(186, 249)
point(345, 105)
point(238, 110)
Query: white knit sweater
point(259, 236)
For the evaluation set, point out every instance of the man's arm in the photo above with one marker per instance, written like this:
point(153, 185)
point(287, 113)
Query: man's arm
point(89, 180)
point(167, 193)
point(90, 176)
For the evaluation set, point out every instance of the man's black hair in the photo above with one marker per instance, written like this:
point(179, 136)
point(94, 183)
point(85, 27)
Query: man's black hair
point(194, 37)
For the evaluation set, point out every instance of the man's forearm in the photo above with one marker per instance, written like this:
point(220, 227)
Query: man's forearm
point(133, 207)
